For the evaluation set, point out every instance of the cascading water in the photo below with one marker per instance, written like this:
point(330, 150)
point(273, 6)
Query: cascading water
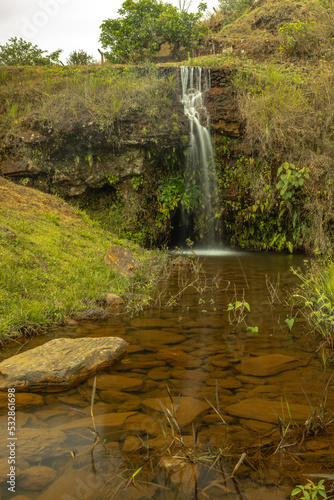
point(200, 159)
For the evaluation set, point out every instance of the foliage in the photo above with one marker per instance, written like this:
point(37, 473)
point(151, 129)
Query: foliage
point(145, 25)
point(79, 57)
point(310, 491)
point(18, 52)
point(315, 294)
point(232, 9)
point(290, 180)
point(173, 191)
point(312, 37)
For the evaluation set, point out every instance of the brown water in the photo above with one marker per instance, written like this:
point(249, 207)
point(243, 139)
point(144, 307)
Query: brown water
point(189, 348)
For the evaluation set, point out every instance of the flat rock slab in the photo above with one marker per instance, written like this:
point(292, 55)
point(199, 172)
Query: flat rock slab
point(265, 410)
point(60, 364)
point(122, 260)
point(270, 364)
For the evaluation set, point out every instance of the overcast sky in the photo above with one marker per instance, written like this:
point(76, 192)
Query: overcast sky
point(61, 24)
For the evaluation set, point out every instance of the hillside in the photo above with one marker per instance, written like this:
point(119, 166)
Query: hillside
point(52, 262)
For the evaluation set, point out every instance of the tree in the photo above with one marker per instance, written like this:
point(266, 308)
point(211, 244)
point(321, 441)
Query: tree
point(145, 25)
point(18, 52)
point(79, 57)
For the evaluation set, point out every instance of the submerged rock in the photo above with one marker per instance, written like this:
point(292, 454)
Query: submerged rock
point(37, 478)
point(266, 410)
point(60, 363)
point(188, 409)
point(270, 364)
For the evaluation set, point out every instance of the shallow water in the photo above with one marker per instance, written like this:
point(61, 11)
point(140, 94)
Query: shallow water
point(189, 348)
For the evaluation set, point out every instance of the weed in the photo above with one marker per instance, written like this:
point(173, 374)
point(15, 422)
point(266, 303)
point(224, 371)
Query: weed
point(310, 491)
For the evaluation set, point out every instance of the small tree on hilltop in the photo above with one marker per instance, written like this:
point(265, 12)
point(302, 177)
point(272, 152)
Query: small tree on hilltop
point(79, 58)
point(18, 52)
point(145, 25)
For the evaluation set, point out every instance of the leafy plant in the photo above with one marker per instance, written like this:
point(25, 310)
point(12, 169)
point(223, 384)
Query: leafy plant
point(315, 294)
point(145, 25)
point(291, 180)
point(19, 52)
point(237, 311)
point(310, 491)
point(79, 57)
point(137, 182)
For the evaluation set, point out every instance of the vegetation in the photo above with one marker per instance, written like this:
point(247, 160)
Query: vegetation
point(52, 262)
point(18, 52)
point(315, 297)
point(146, 25)
point(80, 58)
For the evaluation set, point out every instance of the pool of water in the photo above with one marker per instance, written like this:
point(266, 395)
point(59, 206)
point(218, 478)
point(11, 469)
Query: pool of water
point(191, 412)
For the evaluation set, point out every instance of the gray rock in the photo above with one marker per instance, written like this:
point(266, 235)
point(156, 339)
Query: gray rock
point(60, 363)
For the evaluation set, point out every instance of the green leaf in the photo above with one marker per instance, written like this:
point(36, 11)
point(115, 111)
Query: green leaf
point(290, 322)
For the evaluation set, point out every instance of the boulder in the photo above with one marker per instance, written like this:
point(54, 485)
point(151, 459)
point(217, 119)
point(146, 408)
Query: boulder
point(60, 364)
point(122, 260)
point(266, 410)
point(269, 364)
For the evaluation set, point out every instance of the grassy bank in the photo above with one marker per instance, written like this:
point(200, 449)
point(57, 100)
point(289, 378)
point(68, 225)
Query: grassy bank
point(52, 262)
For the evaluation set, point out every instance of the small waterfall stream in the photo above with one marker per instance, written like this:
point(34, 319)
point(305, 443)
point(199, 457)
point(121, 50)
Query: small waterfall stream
point(200, 159)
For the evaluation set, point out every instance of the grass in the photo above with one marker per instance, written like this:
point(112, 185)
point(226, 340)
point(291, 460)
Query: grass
point(101, 95)
point(54, 266)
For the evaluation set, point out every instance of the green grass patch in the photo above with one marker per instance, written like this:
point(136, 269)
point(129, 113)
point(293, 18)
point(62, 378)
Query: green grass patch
point(55, 267)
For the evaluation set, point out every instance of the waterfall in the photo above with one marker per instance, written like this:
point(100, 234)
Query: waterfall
point(200, 158)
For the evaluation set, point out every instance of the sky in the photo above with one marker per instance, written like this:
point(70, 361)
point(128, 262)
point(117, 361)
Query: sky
point(62, 24)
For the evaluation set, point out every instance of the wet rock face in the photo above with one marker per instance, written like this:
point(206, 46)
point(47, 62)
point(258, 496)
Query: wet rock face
point(60, 364)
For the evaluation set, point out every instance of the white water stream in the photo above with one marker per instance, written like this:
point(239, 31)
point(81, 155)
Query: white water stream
point(201, 162)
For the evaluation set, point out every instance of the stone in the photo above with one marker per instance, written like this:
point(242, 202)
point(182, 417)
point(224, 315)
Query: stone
point(75, 484)
point(269, 390)
point(19, 168)
point(36, 444)
point(103, 422)
point(94, 313)
point(60, 364)
point(256, 426)
point(177, 357)
point(227, 382)
point(269, 364)
point(159, 374)
point(114, 300)
point(37, 478)
point(196, 375)
point(141, 423)
point(188, 410)
point(122, 260)
point(22, 400)
point(153, 340)
point(267, 411)
point(131, 444)
point(117, 382)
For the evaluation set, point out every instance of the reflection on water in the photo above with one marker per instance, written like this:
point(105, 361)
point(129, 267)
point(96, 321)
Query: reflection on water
point(182, 447)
